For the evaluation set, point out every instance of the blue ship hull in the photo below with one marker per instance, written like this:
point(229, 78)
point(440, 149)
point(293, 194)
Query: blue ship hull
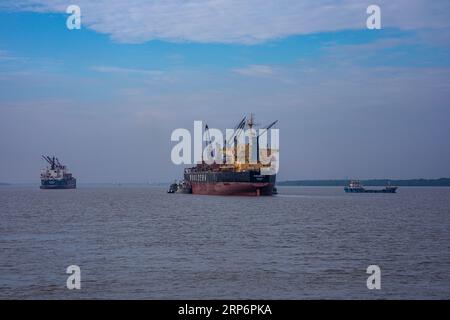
point(59, 184)
point(362, 190)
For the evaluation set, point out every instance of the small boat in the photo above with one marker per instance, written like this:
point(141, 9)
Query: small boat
point(355, 187)
point(173, 188)
point(180, 187)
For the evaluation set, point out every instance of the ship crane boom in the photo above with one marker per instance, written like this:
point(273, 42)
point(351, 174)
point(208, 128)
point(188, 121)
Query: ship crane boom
point(51, 161)
point(238, 129)
point(261, 133)
point(46, 159)
point(237, 132)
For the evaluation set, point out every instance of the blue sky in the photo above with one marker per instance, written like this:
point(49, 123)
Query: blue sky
point(352, 102)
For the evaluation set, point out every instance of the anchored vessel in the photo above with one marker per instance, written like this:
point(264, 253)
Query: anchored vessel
point(236, 175)
point(180, 187)
point(56, 175)
point(356, 187)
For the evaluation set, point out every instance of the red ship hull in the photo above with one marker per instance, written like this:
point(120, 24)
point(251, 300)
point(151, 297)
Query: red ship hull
point(233, 188)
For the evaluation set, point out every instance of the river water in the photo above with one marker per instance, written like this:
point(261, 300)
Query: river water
point(305, 243)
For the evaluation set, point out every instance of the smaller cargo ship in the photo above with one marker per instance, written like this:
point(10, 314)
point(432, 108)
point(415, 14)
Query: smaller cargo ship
point(56, 175)
point(355, 187)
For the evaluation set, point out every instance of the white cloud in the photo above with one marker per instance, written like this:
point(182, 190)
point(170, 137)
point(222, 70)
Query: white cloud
point(112, 69)
point(255, 71)
point(237, 21)
point(6, 56)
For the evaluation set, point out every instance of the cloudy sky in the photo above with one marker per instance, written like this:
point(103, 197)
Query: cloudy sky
point(351, 102)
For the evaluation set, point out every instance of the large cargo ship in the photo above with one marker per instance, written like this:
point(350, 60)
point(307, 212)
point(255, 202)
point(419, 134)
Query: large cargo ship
point(241, 177)
point(56, 175)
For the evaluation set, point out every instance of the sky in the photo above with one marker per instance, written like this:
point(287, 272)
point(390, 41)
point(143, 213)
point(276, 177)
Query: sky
point(351, 102)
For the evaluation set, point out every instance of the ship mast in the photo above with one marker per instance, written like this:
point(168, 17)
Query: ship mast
point(251, 137)
point(250, 122)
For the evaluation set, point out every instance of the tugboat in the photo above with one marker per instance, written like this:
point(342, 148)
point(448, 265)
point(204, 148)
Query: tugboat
point(180, 187)
point(56, 176)
point(356, 187)
point(173, 188)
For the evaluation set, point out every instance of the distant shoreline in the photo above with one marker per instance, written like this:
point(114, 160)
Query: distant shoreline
point(442, 182)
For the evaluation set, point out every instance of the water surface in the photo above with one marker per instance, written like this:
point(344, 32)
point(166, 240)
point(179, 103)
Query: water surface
point(141, 243)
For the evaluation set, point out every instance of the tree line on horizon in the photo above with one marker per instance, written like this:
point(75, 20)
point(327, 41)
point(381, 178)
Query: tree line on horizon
point(442, 182)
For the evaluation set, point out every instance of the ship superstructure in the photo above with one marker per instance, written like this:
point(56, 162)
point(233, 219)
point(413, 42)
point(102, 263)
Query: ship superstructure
point(56, 175)
point(239, 173)
point(355, 186)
